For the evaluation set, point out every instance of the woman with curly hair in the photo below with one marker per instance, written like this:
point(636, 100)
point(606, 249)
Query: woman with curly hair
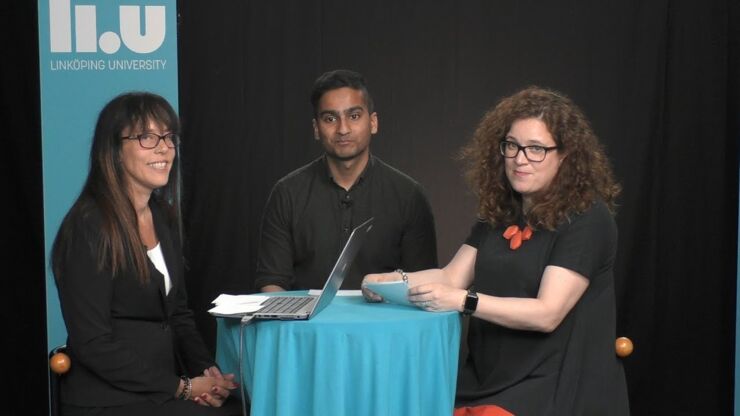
point(536, 272)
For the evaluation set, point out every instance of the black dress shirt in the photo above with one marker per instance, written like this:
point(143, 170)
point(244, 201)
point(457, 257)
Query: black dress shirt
point(308, 218)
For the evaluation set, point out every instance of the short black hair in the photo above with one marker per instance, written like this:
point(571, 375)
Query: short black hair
point(340, 78)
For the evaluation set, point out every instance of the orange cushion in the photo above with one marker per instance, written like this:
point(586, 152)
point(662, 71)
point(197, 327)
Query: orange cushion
point(487, 410)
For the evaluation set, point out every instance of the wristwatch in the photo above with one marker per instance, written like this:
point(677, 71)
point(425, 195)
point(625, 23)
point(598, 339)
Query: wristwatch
point(471, 302)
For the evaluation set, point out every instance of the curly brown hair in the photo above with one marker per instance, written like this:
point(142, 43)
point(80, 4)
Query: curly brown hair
point(584, 176)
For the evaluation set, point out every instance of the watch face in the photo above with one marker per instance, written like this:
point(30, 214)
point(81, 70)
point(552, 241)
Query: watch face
point(471, 303)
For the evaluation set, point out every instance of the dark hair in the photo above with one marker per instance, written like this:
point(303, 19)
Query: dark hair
point(340, 78)
point(583, 177)
point(120, 247)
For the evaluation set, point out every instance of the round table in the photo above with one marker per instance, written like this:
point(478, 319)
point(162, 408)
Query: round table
point(354, 358)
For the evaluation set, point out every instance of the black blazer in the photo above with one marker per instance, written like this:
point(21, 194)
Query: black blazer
point(128, 342)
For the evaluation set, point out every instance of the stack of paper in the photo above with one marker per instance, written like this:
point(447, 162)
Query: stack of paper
point(236, 305)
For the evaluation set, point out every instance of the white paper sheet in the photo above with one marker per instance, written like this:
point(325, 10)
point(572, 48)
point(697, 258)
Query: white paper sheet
point(236, 305)
point(317, 292)
point(224, 299)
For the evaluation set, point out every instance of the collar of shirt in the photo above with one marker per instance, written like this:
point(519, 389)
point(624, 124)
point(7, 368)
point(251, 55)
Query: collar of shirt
point(360, 179)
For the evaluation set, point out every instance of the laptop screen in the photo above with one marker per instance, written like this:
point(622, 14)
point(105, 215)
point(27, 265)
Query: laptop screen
point(341, 267)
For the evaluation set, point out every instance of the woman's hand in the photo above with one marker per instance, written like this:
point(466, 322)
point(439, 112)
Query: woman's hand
point(437, 297)
point(212, 388)
point(371, 296)
point(218, 394)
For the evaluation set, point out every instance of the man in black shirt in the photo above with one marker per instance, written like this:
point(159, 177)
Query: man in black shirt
point(312, 211)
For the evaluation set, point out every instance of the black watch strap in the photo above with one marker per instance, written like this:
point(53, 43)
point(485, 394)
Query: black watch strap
point(471, 303)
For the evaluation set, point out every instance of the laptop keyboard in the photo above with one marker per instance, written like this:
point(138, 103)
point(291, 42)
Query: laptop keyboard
point(285, 304)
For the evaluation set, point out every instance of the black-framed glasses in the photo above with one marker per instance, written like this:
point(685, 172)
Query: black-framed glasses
point(151, 140)
point(534, 153)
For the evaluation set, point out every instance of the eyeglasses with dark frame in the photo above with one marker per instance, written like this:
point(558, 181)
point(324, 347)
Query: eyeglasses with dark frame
point(533, 153)
point(151, 140)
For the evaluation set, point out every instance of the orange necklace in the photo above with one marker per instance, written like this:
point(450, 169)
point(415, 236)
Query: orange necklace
point(517, 236)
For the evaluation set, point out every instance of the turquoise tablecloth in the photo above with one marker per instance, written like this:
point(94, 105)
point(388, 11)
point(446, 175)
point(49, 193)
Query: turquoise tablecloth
point(353, 358)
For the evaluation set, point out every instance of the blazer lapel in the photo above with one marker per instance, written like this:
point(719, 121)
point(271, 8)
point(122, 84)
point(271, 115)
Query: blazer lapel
point(168, 252)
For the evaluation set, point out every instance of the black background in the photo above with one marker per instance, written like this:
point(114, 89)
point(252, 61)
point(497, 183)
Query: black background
point(658, 79)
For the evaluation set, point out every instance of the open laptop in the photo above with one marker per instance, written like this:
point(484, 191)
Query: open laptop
point(306, 307)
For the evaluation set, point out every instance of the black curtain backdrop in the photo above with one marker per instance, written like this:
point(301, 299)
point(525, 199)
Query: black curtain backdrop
point(24, 361)
point(658, 80)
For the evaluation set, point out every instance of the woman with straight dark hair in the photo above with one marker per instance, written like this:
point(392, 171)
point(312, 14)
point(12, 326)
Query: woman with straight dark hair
point(536, 272)
point(119, 271)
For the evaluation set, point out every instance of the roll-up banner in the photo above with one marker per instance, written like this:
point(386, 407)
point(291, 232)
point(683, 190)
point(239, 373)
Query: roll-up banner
point(89, 52)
